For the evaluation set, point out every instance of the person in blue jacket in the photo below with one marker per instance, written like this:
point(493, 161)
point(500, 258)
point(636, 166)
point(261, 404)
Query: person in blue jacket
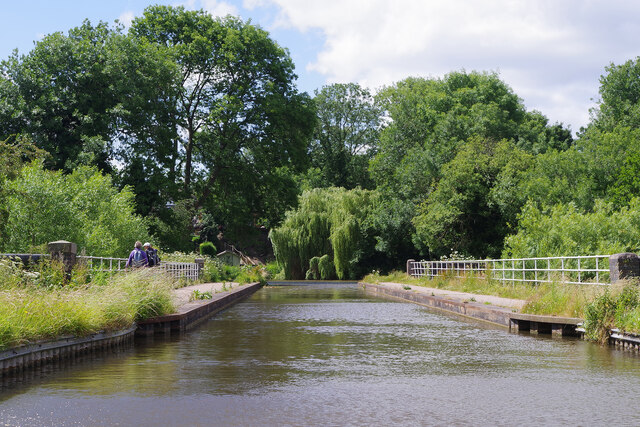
point(137, 257)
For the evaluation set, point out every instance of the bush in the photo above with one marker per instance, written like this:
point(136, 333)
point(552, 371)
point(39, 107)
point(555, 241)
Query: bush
point(83, 207)
point(326, 268)
point(313, 273)
point(208, 249)
point(274, 270)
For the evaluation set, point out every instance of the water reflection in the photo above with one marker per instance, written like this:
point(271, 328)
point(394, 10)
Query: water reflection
point(330, 355)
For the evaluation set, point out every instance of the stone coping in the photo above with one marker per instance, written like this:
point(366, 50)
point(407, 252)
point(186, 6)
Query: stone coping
point(496, 310)
point(193, 313)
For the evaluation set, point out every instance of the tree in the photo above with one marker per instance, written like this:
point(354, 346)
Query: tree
point(428, 121)
point(620, 97)
point(328, 222)
point(346, 136)
point(238, 106)
point(63, 96)
point(460, 215)
point(83, 207)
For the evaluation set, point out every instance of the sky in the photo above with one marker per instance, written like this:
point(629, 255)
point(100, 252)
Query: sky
point(550, 52)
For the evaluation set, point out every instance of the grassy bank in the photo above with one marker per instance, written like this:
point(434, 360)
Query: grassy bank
point(602, 308)
point(34, 305)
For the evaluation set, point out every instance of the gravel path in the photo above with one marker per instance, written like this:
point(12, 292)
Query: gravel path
point(182, 296)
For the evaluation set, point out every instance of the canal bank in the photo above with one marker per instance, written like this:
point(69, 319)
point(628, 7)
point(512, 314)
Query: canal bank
point(336, 355)
point(495, 310)
point(188, 315)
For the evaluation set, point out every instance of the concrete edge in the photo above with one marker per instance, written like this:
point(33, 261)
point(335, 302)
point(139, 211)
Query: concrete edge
point(500, 316)
point(492, 314)
point(194, 313)
point(40, 353)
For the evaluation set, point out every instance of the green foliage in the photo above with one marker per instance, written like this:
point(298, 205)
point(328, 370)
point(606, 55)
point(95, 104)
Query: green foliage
point(620, 96)
point(274, 270)
point(313, 273)
point(249, 119)
point(346, 136)
point(197, 295)
point(327, 222)
point(460, 214)
point(216, 271)
point(326, 268)
point(616, 308)
point(208, 248)
point(431, 118)
point(565, 230)
point(82, 207)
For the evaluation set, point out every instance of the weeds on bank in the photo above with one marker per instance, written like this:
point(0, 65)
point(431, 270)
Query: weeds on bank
point(545, 299)
point(37, 305)
point(616, 307)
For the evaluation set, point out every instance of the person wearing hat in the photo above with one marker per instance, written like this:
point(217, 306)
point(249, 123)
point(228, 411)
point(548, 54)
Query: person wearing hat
point(152, 255)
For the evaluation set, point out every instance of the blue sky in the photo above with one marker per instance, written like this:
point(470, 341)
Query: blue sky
point(24, 22)
point(551, 52)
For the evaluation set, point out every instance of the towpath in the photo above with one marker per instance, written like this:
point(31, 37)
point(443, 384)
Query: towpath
point(182, 296)
point(462, 296)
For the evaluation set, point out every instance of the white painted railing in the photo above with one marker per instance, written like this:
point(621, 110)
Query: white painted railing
point(103, 263)
point(591, 270)
point(188, 270)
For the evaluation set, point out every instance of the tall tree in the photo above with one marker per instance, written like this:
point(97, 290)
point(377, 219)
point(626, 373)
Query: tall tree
point(428, 121)
point(346, 136)
point(63, 96)
point(238, 109)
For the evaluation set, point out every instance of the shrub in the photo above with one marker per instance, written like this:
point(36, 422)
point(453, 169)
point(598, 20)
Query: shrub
point(208, 249)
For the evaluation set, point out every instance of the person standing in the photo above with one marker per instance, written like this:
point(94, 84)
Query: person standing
point(137, 257)
point(152, 255)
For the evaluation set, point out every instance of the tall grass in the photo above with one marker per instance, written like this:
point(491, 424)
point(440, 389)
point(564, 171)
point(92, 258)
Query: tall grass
point(32, 309)
point(618, 307)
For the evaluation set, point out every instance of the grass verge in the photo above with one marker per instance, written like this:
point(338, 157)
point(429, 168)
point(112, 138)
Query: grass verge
point(30, 311)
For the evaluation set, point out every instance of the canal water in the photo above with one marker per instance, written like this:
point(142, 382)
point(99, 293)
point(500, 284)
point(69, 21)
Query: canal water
point(331, 355)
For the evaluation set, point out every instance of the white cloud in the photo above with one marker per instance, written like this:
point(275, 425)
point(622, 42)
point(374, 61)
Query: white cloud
point(126, 18)
point(219, 8)
point(551, 52)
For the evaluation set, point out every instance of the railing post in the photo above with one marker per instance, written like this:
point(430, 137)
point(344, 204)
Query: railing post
point(409, 268)
point(623, 266)
point(200, 266)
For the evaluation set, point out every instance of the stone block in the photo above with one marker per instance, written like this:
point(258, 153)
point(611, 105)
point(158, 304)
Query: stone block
point(624, 266)
point(409, 269)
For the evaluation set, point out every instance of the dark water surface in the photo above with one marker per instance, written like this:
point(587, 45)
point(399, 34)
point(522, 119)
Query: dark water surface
point(329, 355)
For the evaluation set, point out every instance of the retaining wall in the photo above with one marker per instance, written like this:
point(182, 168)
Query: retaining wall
point(45, 352)
point(505, 317)
point(194, 313)
point(20, 359)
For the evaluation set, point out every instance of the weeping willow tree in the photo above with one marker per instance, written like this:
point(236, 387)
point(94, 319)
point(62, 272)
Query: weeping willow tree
point(328, 222)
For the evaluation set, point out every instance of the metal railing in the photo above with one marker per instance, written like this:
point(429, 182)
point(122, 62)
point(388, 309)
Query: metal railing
point(577, 270)
point(188, 270)
point(103, 263)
